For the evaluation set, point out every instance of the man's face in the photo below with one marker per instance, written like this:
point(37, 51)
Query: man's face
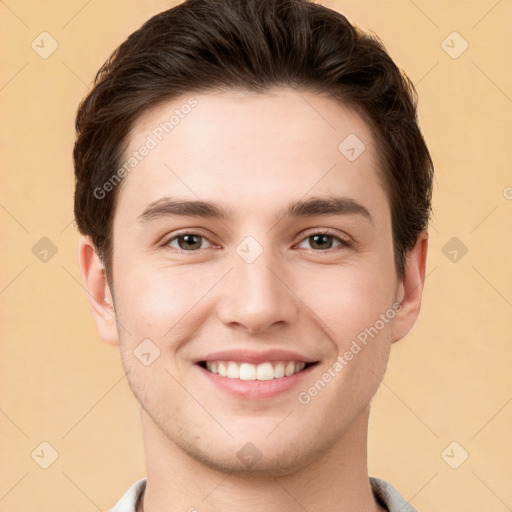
point(256, 291)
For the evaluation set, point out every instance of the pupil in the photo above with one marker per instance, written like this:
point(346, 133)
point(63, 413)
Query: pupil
point(322, 238)
point(189, 241)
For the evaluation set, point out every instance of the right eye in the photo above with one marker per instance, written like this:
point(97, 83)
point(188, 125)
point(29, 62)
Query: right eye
point(187, 241)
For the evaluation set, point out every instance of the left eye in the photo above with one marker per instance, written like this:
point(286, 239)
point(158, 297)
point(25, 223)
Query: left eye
point(187, 241)
point(323, 241)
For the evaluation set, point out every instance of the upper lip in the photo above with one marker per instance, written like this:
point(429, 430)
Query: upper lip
point(251, 356)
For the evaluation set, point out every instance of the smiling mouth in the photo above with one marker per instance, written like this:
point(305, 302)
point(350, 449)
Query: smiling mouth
point(247, 371)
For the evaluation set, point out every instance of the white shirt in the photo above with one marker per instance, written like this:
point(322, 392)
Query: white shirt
point(385, 494)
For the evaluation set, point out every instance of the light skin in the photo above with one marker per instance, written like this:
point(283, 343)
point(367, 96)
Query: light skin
point(254, 155)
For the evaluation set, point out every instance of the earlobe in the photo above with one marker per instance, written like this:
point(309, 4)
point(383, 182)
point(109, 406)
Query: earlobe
point(410, 289)
point(98, 292)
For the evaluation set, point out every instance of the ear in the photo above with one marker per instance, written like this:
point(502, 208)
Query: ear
point(410, 288)
point(98, 291)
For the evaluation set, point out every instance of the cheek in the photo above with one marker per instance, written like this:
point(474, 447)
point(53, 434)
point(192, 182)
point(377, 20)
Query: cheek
point(347, 299)
point(155, 303)
point(356, 312)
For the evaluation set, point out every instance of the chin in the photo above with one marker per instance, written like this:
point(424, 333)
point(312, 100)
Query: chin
point(258, 456)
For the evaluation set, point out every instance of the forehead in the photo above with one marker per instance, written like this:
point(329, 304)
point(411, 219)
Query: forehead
point(238, 146)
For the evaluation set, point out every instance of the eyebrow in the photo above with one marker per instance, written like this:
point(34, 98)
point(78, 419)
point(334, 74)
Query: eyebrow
point(314, 206)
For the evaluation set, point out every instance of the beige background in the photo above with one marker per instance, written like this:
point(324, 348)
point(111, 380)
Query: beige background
point(450, 380)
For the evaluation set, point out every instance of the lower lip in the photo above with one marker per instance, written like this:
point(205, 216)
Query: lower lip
point(256, 389)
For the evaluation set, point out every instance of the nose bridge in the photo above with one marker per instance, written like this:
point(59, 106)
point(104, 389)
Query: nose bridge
point(257, 295)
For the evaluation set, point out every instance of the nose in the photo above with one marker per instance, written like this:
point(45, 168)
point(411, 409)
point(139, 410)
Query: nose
point(258, 296)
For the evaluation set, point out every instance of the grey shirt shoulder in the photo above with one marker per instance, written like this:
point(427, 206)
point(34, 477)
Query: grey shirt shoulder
point(389, 497)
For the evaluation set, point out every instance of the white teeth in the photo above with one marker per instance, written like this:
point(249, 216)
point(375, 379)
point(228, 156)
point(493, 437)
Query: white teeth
point(265, 371)
point(279, 371)
point(290, 368)
point(248, 371)
point(233, 370)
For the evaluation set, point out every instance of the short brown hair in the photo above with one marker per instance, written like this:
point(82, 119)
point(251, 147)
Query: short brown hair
point(204, 45)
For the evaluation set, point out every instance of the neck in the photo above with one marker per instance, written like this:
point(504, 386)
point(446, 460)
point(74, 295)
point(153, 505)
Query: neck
point(336, 481)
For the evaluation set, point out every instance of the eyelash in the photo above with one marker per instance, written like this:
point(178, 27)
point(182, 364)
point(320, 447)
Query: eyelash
point(344, 242)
